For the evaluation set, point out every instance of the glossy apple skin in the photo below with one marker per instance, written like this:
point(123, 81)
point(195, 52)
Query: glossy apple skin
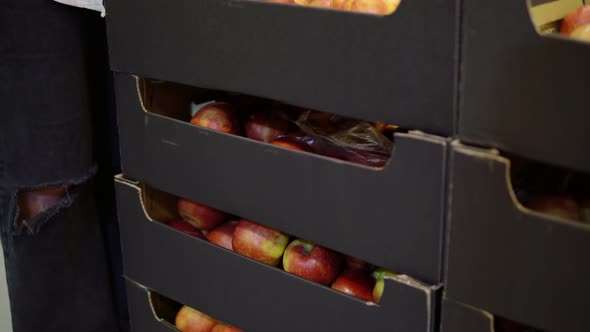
point(357, 283)
point(266, 126)
point(380, 275)
point(223, 234)
point(312, 262)
point(259, 242)
point(185, 227)
point(225, 328)
point(191, 320)
point(291, 143)
point(556, 205)
point(219, 117)
point(575, 19)
point(199, 215)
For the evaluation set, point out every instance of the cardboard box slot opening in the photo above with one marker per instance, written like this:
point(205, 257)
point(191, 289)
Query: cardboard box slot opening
point(162, 207)
point(322, 134)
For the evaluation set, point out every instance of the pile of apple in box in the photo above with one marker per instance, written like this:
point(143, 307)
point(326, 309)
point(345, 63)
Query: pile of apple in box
point(302, 258)
point(377, 7)
point(275, 123)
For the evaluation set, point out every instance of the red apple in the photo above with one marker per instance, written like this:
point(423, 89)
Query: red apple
point(355, 282)
point(218, 116)
point(199, 215)
point(191, 320)
point(266, 126)
point(259, 242)
point(225, 328)
point(291, 143)
point(577, 18)
point(356, 264)
point(223, 234)
point(557, 205)
point(185, 227)
point(312, 262)
point(380, 275)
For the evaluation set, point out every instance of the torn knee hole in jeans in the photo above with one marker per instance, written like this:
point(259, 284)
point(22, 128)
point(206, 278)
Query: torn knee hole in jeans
point(37, 206)
point(34, 207)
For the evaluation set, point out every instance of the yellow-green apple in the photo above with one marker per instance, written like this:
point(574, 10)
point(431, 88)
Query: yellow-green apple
point(291, 143)
point(378, 7)
point(191, 320)
point(575, 19)
point(355, 282)
point(380, 275)
point(581, 33)
point(266, 126)
point(199, 215)
point(557, 205)
point(185, 227)
point(312, 262)
point(225, 328)
point(223, 234)
point(219, 117)
point(259, 242)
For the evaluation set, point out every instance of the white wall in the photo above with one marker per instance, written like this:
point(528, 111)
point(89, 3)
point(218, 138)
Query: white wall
point(5, 317)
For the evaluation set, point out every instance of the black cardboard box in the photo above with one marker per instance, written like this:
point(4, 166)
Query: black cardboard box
point(509, 260)
point(391, 217)
point(458, 317)
point(522, 92)
point(243, 292)
point(396, 69)
point(147, 313)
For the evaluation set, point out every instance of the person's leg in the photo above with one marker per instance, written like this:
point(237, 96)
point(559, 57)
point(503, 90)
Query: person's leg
point(55, 257)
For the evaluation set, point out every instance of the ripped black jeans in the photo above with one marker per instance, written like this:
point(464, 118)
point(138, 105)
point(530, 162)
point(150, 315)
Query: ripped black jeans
point(57, 266)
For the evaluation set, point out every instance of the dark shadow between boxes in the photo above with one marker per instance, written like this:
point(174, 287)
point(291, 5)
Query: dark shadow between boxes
point(222, 283)
point(507, 259)
point(391, 217)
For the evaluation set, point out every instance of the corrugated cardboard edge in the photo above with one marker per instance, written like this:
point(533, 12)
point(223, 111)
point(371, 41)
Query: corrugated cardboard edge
point(135, 185)
point(149, 299)
point(428, 292)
